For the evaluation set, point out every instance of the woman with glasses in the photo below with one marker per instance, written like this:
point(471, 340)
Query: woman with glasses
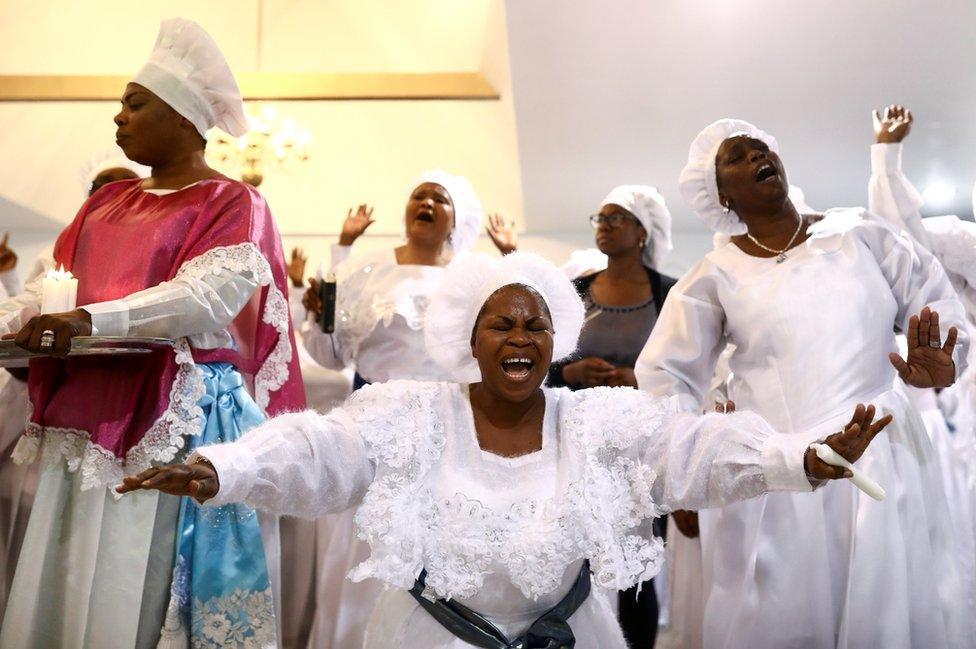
point(633, 229)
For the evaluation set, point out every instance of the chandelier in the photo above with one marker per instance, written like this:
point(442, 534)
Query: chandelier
point(271, 143)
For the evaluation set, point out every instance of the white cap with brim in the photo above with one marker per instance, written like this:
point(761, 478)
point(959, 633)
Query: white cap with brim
point(188, 71)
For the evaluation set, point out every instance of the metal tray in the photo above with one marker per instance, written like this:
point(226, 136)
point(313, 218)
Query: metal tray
point(13, 356)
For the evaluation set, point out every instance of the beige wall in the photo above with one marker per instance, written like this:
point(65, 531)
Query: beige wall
point(361, 151)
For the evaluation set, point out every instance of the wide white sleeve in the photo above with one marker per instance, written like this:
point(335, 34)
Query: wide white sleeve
point(712, 460)
point(322, 347)
point(185, 306)
point(300, 464)
point(690, 461)
point(680, 355)
point(892, 196)
point(917, 280)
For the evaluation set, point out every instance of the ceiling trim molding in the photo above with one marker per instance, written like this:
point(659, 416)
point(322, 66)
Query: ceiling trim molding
point(270, 86)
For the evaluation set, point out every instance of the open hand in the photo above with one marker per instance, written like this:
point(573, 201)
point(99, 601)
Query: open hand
point(892, 127)
point(8, 258)
point(850, 444)
point(311, 300)
point(502, 233)
point(197, 480)
point(589, 372)
point(64, 326)
point(296, 267)
point(929, 363)
point(355, 224)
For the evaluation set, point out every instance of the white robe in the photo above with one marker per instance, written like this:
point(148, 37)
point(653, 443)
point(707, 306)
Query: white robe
point(379, 328)
point(504, 536)
point(812, 337)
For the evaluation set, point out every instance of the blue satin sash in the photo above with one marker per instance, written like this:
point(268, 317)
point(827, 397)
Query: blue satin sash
point(221, 592)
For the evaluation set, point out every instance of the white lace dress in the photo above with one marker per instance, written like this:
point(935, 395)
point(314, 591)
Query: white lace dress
point(504, 536)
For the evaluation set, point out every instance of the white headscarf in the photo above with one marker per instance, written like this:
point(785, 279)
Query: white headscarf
point(468, 215)
point(698, 184)
point(468, 283)
point(648, 206)
point(108, 159)
point(188, 71)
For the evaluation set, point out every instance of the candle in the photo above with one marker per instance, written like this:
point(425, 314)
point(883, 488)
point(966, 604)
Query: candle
point(59, 291)
point(860, 480)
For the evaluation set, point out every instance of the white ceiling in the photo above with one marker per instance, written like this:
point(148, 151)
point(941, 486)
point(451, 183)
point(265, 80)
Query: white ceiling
point(613, 92)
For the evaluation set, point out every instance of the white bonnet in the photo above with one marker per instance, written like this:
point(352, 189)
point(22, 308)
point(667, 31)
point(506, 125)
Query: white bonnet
point(188, 71)
point(647, 204)
point(697, 182)
point(469, 281)
point(468, 215)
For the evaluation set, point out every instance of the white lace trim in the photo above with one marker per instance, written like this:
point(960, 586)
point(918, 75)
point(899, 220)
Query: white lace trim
point(358, 311)
point(457, 539)
point(99, 466)
point(247, 257)
point(182, 417)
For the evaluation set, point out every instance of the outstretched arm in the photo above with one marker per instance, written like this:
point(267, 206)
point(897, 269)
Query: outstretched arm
point(718, 459)
point(300, 464)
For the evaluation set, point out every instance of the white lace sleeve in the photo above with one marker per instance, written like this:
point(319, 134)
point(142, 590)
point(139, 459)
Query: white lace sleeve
point(301, 464)
point(688, 461)
point(306, 464)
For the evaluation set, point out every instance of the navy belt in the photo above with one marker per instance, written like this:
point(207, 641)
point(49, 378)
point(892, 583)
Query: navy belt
point(550, 630)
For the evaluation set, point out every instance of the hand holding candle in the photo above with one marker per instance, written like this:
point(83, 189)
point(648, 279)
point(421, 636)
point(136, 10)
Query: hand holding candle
point(849, 444)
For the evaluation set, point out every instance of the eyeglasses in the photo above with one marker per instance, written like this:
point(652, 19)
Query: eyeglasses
point(613, 220)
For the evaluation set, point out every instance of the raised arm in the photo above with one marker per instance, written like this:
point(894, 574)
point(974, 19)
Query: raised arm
point(891, 195)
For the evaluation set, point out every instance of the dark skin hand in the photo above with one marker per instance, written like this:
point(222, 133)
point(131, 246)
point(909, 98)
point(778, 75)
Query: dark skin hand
point(64, 325)
point(927, 366)
point(508, 404)
point(8, 258)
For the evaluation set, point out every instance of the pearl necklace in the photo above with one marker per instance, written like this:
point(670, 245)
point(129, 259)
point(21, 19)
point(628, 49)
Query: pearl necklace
point(780, 254)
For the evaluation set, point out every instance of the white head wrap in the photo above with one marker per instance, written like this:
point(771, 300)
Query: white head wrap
point(468, 283)
point(108, 159)
point(189, 72)
point(647, 204)
point(468, 215)
point(698, 184)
